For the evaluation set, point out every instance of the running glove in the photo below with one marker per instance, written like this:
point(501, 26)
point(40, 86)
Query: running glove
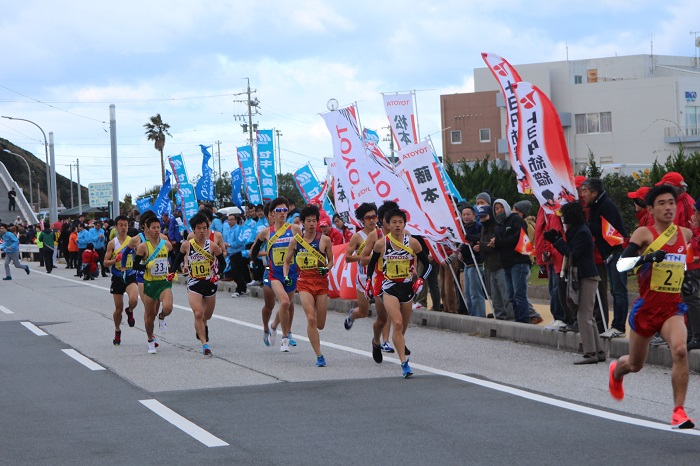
point(323, 270)
point(369, 292)
point(287, 281)
point(656, 256)
point(170, 276)
point(417, 285)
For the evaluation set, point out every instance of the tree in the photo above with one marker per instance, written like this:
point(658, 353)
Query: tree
point(156, 131)
point(287, 187)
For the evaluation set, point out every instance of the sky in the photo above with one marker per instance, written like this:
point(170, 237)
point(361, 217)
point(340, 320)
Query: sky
point(64, 63)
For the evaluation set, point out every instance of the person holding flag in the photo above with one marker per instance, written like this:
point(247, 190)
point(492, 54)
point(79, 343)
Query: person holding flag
point(313, 252)
point(608, 229)
point(123, 278)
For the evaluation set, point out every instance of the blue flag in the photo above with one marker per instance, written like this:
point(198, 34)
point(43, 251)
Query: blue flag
point(236, 183)
point(245, 161)
point(144, 204)
point(205, 188)
point(163, 204)
point(266, 165)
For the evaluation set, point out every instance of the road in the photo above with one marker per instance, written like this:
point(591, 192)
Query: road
point(472, 400)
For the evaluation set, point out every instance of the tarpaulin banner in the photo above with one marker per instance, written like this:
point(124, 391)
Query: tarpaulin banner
point(266, 165)
point(236, 184)
point(506, 76)
point(188, 205)
point(402, 119)
point(250, 179)
point(205, 187)
point(309, 187)
point(341, 278)
point(163, 204)
point(542, 148)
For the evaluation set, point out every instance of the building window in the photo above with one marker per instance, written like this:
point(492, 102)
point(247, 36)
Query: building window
point(485, 135)
point(692, 121)
point(578, 79)
point(456, 137)
point(593, 123)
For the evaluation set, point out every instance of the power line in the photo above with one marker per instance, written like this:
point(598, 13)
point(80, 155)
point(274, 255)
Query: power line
point(49, 105)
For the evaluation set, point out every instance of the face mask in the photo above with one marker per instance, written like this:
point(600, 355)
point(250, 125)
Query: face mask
point(500, 217)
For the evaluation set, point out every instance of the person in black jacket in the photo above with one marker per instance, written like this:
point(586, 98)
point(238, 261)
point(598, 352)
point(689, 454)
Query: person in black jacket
point(600, 207)
point(578, 247)
point(515, 265)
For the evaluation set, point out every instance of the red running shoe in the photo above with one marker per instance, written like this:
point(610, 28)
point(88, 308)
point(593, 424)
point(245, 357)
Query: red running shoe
point(118, 340)
point(680, 420)
point(614, 385)
point(130, 317)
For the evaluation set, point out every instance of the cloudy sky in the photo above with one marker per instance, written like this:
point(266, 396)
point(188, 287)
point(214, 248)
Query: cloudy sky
point(65, 62)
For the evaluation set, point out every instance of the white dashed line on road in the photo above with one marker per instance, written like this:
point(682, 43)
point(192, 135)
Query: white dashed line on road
point(183, 424)
point(34, 329)
point(85, 361)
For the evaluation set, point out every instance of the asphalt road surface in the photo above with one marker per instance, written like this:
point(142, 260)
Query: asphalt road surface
point(68, 396)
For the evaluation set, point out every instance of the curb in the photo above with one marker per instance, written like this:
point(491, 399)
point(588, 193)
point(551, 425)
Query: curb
point(491, 328)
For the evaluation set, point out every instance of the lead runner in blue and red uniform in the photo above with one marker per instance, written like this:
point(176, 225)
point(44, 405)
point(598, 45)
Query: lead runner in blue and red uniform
point(660, 307)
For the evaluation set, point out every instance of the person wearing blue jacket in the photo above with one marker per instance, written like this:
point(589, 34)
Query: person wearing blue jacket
point(11, 245)
point(84, 238)
point(98, 240)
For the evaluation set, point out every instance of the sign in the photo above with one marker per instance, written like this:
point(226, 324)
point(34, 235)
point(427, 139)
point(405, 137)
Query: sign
point(100, 194)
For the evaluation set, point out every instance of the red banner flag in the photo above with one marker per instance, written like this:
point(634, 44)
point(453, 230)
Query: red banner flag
point(524, 245)
point(611, 235)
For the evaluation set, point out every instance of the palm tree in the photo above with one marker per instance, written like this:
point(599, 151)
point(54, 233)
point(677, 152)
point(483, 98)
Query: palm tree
point(156, 131)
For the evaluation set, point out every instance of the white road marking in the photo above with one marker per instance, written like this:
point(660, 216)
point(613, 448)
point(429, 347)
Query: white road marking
point(5, 310)
point(85, 361)
point(482, 383)
point(34, 329)
point(183, 424)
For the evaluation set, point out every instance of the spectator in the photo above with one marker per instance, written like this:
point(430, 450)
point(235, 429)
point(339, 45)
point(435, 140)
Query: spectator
point(217, 224)
point(550, 259)
point(73, 253)
point(89, 262)
point(473, 271)
point(483, 199)
point(523, 208)
point(11, 195)
point(578, 247)
point(340, 225)
point(493, 267)
point(173, 230)
point(640, 207)
point(335, 235)
point(83, 240)
point(98, 239)
point(19, 222)
point(516, 266)
point(690, 291)
point(11, 245)
point(292, 210)
point(47, 237)
point(600, 207)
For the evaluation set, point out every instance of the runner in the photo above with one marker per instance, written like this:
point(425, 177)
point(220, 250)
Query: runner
point(314, 257)
point(204, 261)
point(282, 233)
point(366, 214)
point(660, 307)
point(123, 279)
point(157, 281)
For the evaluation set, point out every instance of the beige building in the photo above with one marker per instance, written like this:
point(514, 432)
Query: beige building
point(626, 110)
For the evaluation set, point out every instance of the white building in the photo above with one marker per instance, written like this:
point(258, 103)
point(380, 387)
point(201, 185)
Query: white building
point(626, 110)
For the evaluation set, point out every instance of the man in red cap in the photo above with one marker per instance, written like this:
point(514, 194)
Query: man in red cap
point(684, 211)
point(578, 181)
point(640, 206)
point(335, 235)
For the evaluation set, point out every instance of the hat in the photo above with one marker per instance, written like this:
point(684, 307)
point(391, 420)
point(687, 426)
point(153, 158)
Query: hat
point(323, 223)
point(483, 210)
point(639, 194)
point(672, 178)
point(484, 196)
point(523, 207)
point(578, 181)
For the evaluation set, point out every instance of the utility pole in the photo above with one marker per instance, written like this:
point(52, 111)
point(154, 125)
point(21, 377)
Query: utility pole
point(80, 194)
point(696, 45)
point(218, 152)
point(279, 152)
point(115, 164)
point(71, 185)
point(53, 207)
point(252, 104)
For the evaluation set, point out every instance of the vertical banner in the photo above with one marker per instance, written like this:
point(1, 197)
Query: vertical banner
point(236, 184)
point(185, 190)
point(542, 148)
point(205, 187)
point(266, 165)
point(402, 119)
point(340, 197)
point(506, 76)
point(144, 204)
point(309, 187)
point(245, 161)
point(163, 204)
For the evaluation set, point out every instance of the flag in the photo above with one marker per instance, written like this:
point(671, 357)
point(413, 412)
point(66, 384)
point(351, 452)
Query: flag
point(144, 204)
point(250, 179)
point(205, 188)
point(402, 119)
point(236, 183)
point(185, 192)
point(163, 204)
point(524, 245)
point(310, 188)
point(266, 165)
point(610, 234)
point(542, 149)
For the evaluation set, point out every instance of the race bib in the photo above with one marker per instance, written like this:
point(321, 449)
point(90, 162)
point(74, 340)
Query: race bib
point(397, 269)
point(278, 255)
point(129, 262)
point(306, 261)
point(200, 269)
point(159, 267)
point(667, 276)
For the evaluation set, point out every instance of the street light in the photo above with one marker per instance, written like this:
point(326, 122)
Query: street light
point(31, 196)
point(52, 202)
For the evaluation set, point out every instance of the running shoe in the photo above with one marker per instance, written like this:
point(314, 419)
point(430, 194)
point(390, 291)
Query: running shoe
point(291, 340)
point(615, 385)
point(273, 335)
point(386, 347)
point(206, 351)
point(320, 361)
point(348, 320)
point(235, 295)
point(253, 283)
point(152, 347)
point(612, 333)
point(284, 347)
point(130, 317)
point(406, 351)
point(680, 420)
point(117, 338)
point(162, 325)
point(266, 338)
point(407, 372)
point(26, 269)
point(7, 278)
point(377, 353)
point(155, 341)
point(555, 325)
point(658, 340)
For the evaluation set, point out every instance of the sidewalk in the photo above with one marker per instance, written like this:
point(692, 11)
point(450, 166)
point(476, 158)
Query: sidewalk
point(491, 328)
